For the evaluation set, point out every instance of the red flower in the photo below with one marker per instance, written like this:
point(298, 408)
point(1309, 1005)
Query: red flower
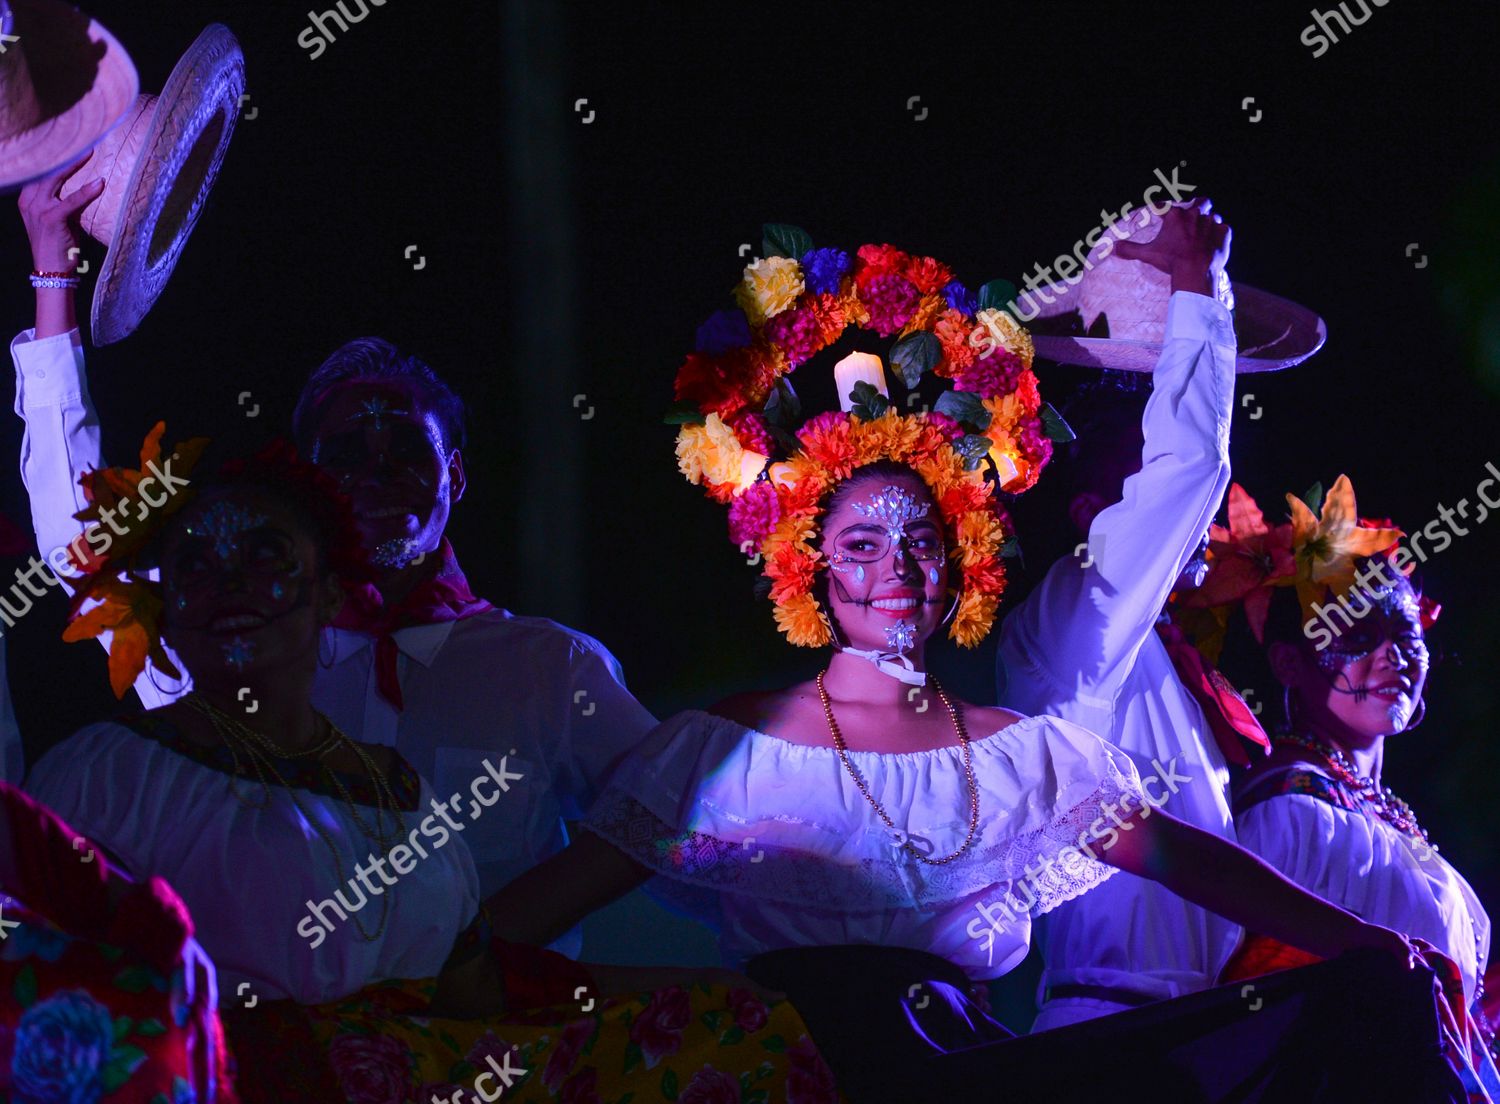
point(985, 577)
point(658, 1029)
point(371, 1069)
point(711, 1086)
point(582, 1088)
point(928, 274)
point(808, 1079)
point(749, 1013)
point(1246, 559)
point(791, 572)
point(751, 431)
point(725, 384)
point(565, 1055)
point(876, 259)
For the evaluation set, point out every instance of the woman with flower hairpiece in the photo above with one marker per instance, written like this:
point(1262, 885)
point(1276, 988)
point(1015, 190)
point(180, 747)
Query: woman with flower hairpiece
point(1344, 631)
point(865, 840)
point(273, 824)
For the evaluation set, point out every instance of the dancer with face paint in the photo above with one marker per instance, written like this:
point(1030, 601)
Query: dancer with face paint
point(1319, 809)
point(414, 659)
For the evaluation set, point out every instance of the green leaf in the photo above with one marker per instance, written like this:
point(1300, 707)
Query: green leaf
point(450, 1041)
point(134, 979)
point(627, 1098)
point(776, 1044)
point(711, 1020)
point(1313, 496)
point(159, 1098)
point(973, 448)
point(150, 1028)
point(997, 295)
point(781, 240)
point(914, 354)
point(24, 987)
point(732, 1036)
point(669, 1084)
point(1010, 547)
point(122, 1027)
point(965, 408)
point(1054, 427)
point(869, 403)
point(633, 1056)
point(109, 953)
point(757, 1096)
point(684, 413)
point(788, 441)
point(122, 1063)
point(782, 406)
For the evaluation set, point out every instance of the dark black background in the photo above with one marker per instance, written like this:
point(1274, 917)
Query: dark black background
point(421, 125)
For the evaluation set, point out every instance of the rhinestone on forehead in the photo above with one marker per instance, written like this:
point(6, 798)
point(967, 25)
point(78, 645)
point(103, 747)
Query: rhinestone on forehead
point(901, 637)
point(377, 408)
point(222, 523)
point(894, 508)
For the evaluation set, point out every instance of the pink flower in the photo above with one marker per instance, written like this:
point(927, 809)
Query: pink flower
point(808, 1079)
point(582, 1088)
point(486, 1045)
point(371, 1069)
point(997, 374)
point(658, 1029)
point(799, 332)
point(750, 429)
point(890, 299)
point(566, 1053)
point(711, 1086)
point(749, 1013)
point(753, 515)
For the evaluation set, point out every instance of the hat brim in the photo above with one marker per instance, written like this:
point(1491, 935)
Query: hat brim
point(65, 48)
point(1271, 332)
point(192, 122)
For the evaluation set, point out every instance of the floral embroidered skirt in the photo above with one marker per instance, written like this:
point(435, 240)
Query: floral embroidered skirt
point(698, 1045)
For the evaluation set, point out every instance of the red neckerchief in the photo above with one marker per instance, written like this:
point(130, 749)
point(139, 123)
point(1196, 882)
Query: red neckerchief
point(1229, 718)
point(443, 597)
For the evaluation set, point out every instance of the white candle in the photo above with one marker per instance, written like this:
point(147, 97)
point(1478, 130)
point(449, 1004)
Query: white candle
point(858, 368)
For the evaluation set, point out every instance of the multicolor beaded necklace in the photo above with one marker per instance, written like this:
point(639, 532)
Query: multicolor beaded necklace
point(1378, 799)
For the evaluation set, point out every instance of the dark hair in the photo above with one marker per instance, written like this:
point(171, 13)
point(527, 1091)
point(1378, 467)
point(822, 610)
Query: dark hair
point(375, 358)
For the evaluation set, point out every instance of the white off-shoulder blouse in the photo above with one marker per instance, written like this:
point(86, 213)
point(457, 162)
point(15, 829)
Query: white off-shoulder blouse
point(248, 868)
point(773, 844)
point(1369, 867)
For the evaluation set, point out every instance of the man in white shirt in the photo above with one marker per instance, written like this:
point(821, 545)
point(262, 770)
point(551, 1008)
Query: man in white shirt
point(1084, 646)
point(453, 683)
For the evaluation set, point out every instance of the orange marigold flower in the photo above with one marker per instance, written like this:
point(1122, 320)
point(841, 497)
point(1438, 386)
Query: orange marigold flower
point(952, 331)
point(985, 576)
point(972, 620)
point(964, 497)
point(922, 318)
point(790, 571)
point(828, 310)
point(798, 617)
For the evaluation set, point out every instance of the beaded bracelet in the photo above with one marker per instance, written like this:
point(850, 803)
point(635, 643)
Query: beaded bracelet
point(54, 280)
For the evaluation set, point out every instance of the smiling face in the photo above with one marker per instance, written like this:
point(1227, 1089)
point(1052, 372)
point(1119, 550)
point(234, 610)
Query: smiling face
point(386, 449)
point(1368, 680)
point(243, 586)
point(887, 563)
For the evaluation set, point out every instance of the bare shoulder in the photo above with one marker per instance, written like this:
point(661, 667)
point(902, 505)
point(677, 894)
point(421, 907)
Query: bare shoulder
point(986, 720)
point(771, 710)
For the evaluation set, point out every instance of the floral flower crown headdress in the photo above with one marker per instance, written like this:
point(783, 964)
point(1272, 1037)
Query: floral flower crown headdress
point(1317, 554)
point(743, 436)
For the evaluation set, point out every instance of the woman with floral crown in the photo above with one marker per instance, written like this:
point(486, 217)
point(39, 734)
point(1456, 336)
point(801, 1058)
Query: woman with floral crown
point(1329, 599)
point(866, 840)
point(255, 808)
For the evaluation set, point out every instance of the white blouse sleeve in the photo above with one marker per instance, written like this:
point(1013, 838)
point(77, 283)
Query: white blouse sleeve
point(1373, 870)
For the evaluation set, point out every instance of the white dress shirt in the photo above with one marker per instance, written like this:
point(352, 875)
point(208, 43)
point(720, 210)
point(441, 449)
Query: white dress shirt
point(1083, 646)
point(550, 699)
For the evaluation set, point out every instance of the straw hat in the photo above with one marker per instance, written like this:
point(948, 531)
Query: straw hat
point(1123, 310)
point(158, 166)
point(64, 81)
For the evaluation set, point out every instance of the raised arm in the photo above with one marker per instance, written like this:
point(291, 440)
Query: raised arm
point(1086, 623)
point(61, 440)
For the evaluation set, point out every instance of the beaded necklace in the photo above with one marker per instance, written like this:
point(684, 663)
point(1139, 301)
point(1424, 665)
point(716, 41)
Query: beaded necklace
point(1380, 800)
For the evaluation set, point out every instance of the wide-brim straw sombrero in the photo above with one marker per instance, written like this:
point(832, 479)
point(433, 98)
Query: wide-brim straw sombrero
point(1118, 313)
point(64, 82)
point(158, 166)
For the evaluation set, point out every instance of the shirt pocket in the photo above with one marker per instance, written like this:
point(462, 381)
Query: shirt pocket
point(505, 830)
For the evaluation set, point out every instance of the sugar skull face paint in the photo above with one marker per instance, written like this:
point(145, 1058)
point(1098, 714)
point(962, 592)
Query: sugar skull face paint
point(222, 523)
point(887, 567)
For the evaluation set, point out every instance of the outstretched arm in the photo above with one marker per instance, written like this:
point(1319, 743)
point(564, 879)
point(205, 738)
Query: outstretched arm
point(1085, 624)
point(1228, 880)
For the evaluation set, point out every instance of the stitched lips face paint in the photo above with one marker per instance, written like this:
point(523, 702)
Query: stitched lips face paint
point(1376, 668)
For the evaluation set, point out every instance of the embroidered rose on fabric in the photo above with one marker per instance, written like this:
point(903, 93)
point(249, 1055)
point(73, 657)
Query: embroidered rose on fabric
point(809, 1080)
point(582, 1088)
point(711, 1086)
point(750, 1015)
point(371, 1069)
point(658, 1029)
point(62, 1046)
point(566, 1053)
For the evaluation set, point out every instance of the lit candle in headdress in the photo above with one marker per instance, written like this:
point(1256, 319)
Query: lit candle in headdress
point(858, 368)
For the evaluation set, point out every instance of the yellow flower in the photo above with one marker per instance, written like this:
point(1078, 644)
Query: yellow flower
point(855, 312)
point(1006, 332)
point(972, 621)
point(888, 437)
point(711, 451)
point(1327, 545)
point(770, 286)
point(800, 619)
point(979, 535)
point(798, 530)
